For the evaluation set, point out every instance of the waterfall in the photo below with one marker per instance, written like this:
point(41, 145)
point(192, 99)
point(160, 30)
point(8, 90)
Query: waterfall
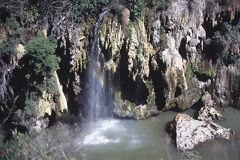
point(97, 89)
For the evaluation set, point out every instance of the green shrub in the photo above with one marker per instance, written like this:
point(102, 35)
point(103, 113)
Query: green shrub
point(191, 71)
point(20, 147)
point(49, 85)
point(13, 24)
point(137, 8)
point(13, 149)
point(158, 4)
point(31, 103)
point(211, 72)
point(42, 58)
point(86, 8)
point(225, 44)
point(30, 16)
point(8, 47)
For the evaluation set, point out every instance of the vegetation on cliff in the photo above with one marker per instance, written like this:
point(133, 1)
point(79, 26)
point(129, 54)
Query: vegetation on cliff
point(27, 81)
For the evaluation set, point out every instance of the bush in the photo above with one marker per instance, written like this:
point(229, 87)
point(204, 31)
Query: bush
point(85, 8)
point(225, 44)
point(31, 103)
point(29, 16)
point(211, 72)
point(20, 147)
point(158, 4)
point(49, 85)
point(7, 48)
point(42, 58)
point(13, 24)
point(137, 8)
point(191, 71)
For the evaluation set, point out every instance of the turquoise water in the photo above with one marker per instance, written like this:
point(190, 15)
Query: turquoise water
point(115, 139)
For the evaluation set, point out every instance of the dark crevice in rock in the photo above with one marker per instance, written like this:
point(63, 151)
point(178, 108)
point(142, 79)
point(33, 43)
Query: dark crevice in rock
point(224, 17)
point(159, 88)
point(208, 27)
point(182, 48)
point(4, 13)
point(212, 51)
point(134, 91)
point(52, 118)
point(202, 77)
point(65, 75)
point(80, 104)
point(63, 72)
point(49, 31)
point(236, 19)
point(178, 92)
point(198, 105)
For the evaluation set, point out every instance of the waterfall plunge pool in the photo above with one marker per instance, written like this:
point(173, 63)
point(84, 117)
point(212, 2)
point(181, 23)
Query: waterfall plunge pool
point(116, 139)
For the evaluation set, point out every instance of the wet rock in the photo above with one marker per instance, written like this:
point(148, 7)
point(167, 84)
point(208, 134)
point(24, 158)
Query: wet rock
point(227, 85)
point(188, 98)
point(208, 112)
point(190, 132)
point(127, 109)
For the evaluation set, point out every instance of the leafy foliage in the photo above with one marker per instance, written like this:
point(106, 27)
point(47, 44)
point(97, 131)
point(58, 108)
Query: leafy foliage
point(49, 85)
point(20, 148)
point(211, 72)
point(137, 7)
point(7, 47)
point(191, 71)
point(13, 24)
point(158, 4)
point(85, 8)
point(31, 103)
point(225, 44)
point(30, 16)
point(42, 57)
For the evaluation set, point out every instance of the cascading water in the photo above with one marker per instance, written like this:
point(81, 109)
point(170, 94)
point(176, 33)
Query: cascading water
point(98, 91)
point(98, 95)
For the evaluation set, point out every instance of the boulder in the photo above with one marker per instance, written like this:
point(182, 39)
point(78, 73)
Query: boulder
point(190, 132)
point(208, 112)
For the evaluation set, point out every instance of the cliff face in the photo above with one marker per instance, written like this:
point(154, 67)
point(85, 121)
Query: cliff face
point(158, 62)
point(161, 61)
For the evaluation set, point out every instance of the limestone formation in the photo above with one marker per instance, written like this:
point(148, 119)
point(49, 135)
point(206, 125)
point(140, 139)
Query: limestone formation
point(3, 34)
point(208, 112)
point(227, 85)
point(190, 132)
point(61, 99)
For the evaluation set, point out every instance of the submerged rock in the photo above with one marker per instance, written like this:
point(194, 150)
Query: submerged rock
point(190, 132)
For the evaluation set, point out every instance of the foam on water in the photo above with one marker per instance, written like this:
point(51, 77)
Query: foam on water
point(99, 132)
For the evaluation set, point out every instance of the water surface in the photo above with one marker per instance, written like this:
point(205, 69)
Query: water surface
point(114, 139)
